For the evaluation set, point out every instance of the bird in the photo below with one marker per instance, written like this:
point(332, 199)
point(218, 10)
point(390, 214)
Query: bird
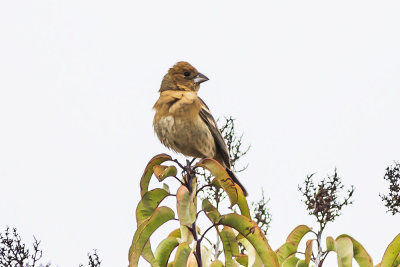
point(183, 122)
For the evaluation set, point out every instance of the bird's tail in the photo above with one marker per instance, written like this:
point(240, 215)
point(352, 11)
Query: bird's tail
point(236, 180)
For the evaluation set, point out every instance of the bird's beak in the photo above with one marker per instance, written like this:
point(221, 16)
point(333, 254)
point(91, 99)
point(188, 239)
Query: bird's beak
point(200, 78)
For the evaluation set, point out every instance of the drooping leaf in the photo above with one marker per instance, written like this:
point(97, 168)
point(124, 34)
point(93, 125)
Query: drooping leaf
point(211, 212)
point(360, 254)
point(290, 261)
point(206, 254)
point(148, 255)
point(185, 206)
point(166, 187)
point(192, 262)
point(285, 251)
point(148, 171)
point(230, 245)
point(330, 244)
point(301, 263)
point(162, 172)
point(186, 235)
point(242, 259)
point(182, 254)
point(164, 250)
point(344, 248)
point(253, 259)
point(392, 252)
point(229, 241)
point(145, 230)
point(297, 234)
point(193, 195)
point(241, 200)
point(308, 252)
point(176, 233)
point(292, 242)
point(253, 234)
point(149, 203)
point(242, 203)
point(222, 178)
point(217, 263)
point(397, 261)
point(228, 237)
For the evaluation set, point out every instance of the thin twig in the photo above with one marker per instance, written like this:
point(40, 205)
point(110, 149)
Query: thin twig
point(198, 213)
point(201, 188)
point(179, 180)
point(205, 232)
point(177, 162)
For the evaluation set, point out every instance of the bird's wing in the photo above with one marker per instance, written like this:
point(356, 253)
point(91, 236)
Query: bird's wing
point(209, 120)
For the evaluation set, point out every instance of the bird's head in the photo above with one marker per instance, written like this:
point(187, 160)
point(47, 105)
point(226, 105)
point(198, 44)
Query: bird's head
point(182, 77)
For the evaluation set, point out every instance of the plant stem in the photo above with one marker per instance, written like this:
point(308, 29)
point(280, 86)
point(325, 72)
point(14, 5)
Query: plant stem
point(319, 259)
point(198, 247)
point(190, 175)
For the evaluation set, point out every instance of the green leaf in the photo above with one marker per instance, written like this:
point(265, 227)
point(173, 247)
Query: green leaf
point(185, 206)
point(164, 250)
point(162, 172)
point(360, 254)
point(242, 203)
point(397, 261)
point(241, 200)
point(297, 234)
point(253, 259)
point(292, 242)
point(217, 263)
point(211, 212)
point(291, 261)
point(242, 259)
point(206, 255)
point(148, 171)
point(148, 255)
point(330, 244)
point(302, 263)
point(230, 245)
point(182, 255)
point(186, 235)
point(253, 234)
point(166, 187)
point(176, 233)
point(229, 241)
point(145, 230)
point(228, 237)
point(344, 251)
point(222, 178)
point(149, 203)
point(392, 252)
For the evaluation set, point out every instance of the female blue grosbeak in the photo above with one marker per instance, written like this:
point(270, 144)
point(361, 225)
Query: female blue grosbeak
point(183, 121)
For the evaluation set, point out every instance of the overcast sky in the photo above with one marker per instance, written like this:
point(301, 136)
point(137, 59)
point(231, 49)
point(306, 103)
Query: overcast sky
point(313, 85)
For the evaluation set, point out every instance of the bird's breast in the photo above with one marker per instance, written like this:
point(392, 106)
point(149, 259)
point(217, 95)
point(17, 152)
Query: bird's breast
point(164, 128)
point(187, 135)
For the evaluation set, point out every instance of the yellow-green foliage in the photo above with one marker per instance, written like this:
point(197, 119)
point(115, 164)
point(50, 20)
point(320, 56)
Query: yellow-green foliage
point(232, 229)
point(187, 240)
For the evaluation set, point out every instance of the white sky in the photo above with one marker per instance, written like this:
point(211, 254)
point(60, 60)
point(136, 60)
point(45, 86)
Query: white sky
point(313, 85)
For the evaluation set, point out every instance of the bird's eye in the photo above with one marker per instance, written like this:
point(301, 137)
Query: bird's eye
point(186, 73)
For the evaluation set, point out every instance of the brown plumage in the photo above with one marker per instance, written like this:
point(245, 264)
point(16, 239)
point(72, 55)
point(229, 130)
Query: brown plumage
point(183, 121)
